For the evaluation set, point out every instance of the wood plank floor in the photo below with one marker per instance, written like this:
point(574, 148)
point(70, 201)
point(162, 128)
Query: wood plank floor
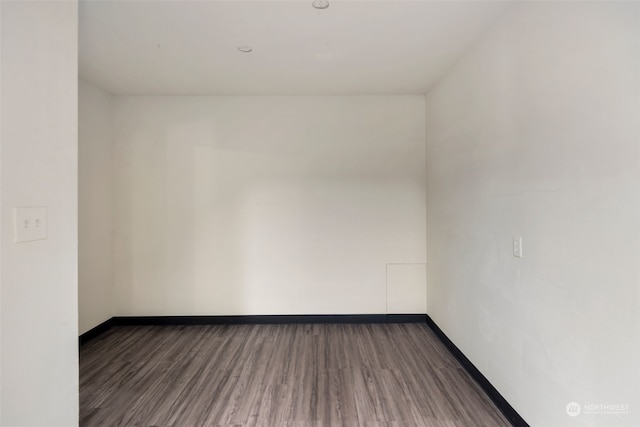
point(277, 375)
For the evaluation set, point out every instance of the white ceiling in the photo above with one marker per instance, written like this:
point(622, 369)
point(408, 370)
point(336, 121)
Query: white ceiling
point(354, 47)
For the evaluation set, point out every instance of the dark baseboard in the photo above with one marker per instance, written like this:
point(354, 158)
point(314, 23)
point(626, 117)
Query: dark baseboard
point(94, 332)
point(249, 320)
point(268, 319)
point(504, 406)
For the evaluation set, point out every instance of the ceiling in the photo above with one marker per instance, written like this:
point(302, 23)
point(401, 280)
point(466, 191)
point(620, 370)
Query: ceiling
point(149, 47)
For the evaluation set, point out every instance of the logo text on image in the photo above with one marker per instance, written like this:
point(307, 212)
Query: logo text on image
point(574, 409)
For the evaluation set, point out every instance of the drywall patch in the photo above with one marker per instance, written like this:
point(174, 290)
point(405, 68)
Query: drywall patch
point(406, 288)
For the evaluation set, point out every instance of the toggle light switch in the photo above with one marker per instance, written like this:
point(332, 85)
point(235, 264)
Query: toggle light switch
point(517, 246)
point(30, 223)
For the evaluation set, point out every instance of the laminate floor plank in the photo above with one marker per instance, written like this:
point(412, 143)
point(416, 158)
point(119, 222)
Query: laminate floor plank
point(351, 375)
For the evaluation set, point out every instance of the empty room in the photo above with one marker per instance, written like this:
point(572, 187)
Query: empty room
point(319, 213)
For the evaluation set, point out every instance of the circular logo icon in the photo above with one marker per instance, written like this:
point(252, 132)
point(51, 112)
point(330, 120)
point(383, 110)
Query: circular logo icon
point(573, 409)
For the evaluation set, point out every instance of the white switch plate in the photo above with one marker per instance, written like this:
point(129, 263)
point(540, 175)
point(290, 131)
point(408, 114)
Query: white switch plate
point(517, 246)
point(30, 223)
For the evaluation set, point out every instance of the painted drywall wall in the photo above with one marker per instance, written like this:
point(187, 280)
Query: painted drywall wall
point(95, 199)
point(39, 309)
point(535, 133)
point(265, 205)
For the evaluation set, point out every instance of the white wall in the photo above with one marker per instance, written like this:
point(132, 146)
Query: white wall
point(265, 205)
point(39, 332)
point(95, 194)
point(535, 133)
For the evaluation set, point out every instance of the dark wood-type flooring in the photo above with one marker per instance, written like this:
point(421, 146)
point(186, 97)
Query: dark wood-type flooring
point(277, 375)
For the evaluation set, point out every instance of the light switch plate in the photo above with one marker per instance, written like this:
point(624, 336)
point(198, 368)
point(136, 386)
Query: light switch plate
point(517, 246)
point(30, 223)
